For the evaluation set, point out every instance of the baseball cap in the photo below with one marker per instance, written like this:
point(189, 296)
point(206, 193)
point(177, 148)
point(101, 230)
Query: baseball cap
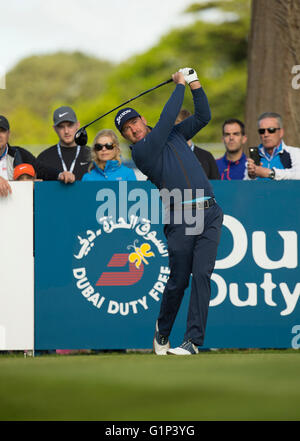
point(64, 113)
point(4, 124)
point(23, 169)
point(124, 115)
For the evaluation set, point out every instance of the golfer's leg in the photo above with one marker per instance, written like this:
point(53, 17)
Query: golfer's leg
point(205, 252)
point(180, 248)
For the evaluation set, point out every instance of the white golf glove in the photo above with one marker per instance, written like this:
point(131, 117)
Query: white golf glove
point(189, 74)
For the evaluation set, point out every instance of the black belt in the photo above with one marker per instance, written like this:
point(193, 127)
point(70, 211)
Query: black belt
point(199, 205)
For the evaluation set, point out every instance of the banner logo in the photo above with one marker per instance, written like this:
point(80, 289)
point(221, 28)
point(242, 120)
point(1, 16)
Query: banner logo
point(143, 260)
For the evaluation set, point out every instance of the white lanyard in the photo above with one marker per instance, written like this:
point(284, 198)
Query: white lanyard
point(3, 164)
point(63, 162)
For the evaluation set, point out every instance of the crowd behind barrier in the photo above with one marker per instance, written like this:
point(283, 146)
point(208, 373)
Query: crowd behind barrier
point(67, 162)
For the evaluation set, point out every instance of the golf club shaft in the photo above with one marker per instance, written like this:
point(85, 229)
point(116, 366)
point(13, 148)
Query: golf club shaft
point(128, 101)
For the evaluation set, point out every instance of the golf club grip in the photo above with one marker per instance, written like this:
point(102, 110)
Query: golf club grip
point(128, 101)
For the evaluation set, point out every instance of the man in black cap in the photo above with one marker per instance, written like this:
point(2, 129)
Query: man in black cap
point(163, 155)
point(66, 156)
point(11, 156)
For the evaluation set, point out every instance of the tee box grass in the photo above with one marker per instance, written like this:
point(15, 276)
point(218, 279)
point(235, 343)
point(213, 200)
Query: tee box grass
point(211, 386)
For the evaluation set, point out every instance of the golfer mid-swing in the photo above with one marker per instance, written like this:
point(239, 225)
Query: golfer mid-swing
point(162, 154)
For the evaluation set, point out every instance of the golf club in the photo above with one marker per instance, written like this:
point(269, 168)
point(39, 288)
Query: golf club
point(81, 137)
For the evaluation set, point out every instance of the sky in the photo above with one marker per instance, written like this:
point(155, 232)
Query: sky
point(109, 29)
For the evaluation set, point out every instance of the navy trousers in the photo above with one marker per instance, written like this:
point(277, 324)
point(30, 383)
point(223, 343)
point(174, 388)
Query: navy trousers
point(196, 255)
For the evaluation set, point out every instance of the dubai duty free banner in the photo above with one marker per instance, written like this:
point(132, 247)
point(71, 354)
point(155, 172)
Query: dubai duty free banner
point(99, 282)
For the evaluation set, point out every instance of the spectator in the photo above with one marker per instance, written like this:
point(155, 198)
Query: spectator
point(24, 172)
point(10, 157)
point(233, 164)
point(106, 155)
point(205, 158)
point(107, 164)
point(66, 156)
point(278, 161)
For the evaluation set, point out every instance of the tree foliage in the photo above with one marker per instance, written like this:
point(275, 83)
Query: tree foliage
point(218, 52)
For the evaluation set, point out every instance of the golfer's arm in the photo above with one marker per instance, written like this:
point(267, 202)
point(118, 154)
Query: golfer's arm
point(202, 115)
point(146, 152)
point(158, 136)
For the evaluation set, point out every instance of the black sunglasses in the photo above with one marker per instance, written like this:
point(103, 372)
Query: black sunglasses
point(270, 130)
point(108, 146)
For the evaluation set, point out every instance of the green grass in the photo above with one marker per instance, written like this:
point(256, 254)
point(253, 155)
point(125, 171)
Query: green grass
point(222, 385)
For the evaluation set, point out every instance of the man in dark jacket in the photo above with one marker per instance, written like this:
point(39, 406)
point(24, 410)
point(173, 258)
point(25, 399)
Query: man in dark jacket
point(162, 154)
point(66, 156)
point(11, 156)
point(205, 158)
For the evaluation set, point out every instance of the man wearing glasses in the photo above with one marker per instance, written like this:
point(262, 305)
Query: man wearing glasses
point(278, 161)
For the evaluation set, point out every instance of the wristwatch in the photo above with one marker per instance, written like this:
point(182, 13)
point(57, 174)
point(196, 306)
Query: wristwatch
point(272, 174)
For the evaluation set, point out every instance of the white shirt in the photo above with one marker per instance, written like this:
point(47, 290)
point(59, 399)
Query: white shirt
point(3, 164)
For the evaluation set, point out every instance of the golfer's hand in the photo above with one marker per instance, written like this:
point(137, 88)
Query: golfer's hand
point(189, 74)
point(5, 188)
point(178, 78)
point(66, 177)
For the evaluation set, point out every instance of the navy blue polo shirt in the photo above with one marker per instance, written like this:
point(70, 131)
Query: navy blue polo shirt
point(232, 169)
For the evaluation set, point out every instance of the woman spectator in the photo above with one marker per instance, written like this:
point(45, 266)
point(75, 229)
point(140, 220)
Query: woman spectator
point(106, 156)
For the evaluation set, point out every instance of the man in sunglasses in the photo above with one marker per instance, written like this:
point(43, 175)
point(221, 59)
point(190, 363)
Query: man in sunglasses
point(278, 161)
point(70, 159)
point(164, 156)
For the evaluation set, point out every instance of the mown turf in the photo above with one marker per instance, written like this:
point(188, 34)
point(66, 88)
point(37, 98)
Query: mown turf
point(262, 385)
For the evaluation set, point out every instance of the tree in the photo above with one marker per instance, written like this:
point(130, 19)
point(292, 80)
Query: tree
point(217, 50)
point(40, 83)
point(274, 66)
